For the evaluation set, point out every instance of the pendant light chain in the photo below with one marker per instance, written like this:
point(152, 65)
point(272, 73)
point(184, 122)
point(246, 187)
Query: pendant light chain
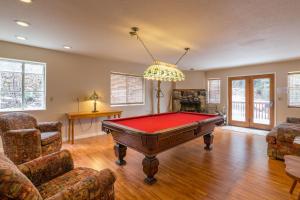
point(134, 32)
point(145, 47)
point(186, 51)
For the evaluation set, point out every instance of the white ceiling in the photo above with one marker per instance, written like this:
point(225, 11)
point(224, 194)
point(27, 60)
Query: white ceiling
point(220, 33)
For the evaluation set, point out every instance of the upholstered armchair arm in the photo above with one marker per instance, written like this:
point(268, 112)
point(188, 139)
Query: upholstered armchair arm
point(272, 135)
point(293, 120)
point(288, 133)
point(98, 186)
point(25, 142)
point(49, 126)
point(47, 167)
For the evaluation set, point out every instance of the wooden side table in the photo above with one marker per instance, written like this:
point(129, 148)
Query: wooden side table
point(292, 169)
point(87, 115)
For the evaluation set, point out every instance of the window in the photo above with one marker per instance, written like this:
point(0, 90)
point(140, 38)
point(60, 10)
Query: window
point(294, 89)
point(214, 91)
point(22, 85)
point(126, 89)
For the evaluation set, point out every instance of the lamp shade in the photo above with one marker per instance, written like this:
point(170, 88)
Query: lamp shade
point(94, 96)
point(162, 71)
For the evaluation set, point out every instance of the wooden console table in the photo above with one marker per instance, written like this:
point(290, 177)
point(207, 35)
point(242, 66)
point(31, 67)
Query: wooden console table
point(90, 115)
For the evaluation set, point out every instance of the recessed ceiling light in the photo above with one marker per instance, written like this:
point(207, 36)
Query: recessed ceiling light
point(67, 47)
point(26, 1)
point(22, 23)
point(21, 37)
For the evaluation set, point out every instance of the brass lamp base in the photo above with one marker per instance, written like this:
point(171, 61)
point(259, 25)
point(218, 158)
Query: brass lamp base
point(95, 107)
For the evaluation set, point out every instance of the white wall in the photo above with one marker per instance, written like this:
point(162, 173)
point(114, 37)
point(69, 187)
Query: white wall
point(71, 76)
point(193, 80)
point(280, 69)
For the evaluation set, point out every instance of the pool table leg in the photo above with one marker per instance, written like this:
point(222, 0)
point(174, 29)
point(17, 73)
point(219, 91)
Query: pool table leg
point(208, 140)
point(120, 152)
point(150, 168)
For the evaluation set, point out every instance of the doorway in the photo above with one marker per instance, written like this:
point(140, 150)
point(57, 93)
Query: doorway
point(251, 101)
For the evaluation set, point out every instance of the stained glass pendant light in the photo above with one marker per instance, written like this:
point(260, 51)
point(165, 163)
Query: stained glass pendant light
point(160, 71)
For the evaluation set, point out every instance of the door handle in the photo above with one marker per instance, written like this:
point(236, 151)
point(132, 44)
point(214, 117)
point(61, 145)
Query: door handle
point(271, 104)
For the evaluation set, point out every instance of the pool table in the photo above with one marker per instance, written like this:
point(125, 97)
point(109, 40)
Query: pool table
point(152, 134)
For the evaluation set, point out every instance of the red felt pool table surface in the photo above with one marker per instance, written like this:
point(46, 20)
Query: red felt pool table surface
point(154, 123)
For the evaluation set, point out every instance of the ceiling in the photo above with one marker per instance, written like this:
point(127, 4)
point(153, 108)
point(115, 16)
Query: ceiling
point(220, 33)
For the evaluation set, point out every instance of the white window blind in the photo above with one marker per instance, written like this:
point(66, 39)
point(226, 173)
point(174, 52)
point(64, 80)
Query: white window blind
point(214, 91)
point(294, 89)
point(22, 85)
point(126, 89)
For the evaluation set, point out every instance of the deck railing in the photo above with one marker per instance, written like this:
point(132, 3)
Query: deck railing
point(261, 112)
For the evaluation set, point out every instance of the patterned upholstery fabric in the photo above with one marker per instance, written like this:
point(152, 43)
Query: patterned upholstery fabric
point(22, 145)
point(293, 120)
point(23, 139)
point(83, 183)
point(17, 120)
point(49, 137)
point(53, 177)
point(14, 184)
point(52, 147)
point(49, 126)
point(286, 132)
point(48, 167)
point(281, 139)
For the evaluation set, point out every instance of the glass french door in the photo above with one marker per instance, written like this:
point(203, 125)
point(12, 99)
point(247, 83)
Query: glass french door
point(251, 101)
point(238, 101)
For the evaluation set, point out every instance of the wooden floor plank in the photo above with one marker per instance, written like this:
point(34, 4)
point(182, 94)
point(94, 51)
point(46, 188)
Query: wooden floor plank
point(237, 168)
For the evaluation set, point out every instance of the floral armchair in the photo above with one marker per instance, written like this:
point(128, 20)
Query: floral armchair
point(284, 139)
point(24, 139)
point(53, 177)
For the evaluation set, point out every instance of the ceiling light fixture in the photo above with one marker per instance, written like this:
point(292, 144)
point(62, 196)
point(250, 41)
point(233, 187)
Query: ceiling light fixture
point(22, 23)
point(67, 47)
point(21, 37)
point(26, 1)
point(160, 71)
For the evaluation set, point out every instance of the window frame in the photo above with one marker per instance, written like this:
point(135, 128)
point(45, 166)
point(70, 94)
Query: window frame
point(208, 90)
point(129, 104)
point(288, 90)
point(23, 83)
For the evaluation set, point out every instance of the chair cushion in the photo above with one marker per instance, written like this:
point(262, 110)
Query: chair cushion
point(65, 181)
point(49, 137)
point(13, 183)
point(296, 143)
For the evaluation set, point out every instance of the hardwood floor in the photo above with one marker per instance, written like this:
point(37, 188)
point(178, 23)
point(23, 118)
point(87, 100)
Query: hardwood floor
point(237, 168)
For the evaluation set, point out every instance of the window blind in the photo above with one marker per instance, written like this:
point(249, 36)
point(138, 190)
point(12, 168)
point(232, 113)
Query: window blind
point(126, 89)
point(294, 89)
point(214, 91)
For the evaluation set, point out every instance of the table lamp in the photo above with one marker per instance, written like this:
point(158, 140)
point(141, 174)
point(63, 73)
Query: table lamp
point(94, 97)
